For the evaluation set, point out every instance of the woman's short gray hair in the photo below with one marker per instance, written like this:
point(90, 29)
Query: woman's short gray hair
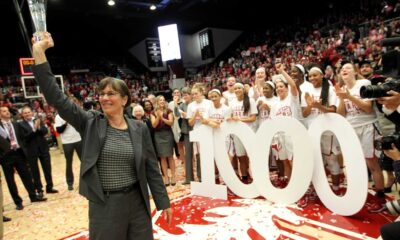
point(140, 108)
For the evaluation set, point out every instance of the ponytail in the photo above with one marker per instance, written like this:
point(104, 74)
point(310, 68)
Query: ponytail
point(246, 103)
point(324, 92)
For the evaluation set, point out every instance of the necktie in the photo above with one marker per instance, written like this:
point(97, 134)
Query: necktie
point(13, 143)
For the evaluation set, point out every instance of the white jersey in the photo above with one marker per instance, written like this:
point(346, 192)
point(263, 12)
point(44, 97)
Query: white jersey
point(255, 93)
point(306, 86)
point(287, 107)
point(316, 94)
point(264, 114)
point(354, 114)
point(229, 96)
point(203, 107)
point(70, 135)
point(238, 110)
point(220, 114)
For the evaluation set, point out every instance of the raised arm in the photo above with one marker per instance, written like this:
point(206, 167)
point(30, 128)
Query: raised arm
point(70, 112)
point(292, 84)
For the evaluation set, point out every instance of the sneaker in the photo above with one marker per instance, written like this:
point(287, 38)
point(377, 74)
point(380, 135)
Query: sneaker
point(377, 207)
point(70, 188)
point(303, 202)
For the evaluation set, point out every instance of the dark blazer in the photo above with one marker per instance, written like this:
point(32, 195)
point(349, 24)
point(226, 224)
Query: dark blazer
point(5, 142)
point(35, 142)
point(92, 126)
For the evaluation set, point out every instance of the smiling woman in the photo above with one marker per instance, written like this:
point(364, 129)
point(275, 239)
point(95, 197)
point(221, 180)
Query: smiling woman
point(118, 160)
point(114, 96)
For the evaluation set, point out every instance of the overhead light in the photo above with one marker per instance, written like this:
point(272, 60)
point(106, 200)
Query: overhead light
point(111, 2)
point(153, 7)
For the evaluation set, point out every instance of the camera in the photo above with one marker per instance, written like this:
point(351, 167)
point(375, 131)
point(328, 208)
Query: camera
point(386, 142)
point(393, 207)
point(380, 90)
point(390, 68)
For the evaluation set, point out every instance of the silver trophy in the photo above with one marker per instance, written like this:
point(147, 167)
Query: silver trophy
point(38, 13)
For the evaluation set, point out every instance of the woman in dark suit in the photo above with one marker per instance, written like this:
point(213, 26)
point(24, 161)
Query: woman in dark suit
point(118, 160)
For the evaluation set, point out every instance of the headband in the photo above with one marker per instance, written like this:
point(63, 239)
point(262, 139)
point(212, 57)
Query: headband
point(271, 84)
point(316, 69)
point(238, 85)
point(216, 91)
point(301, 68)
point(260, 69)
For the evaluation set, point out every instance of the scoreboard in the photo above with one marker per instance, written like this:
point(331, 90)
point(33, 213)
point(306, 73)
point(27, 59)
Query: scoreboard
point(25, 65)
point(153, 52)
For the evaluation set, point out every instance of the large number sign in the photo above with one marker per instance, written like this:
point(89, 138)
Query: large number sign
point(308, 165)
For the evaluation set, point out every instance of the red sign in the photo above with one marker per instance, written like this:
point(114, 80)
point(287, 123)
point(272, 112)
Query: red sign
point(26, 65)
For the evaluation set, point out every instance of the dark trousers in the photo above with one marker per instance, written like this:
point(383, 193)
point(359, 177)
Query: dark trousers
point(16, 160)
point(176, 149)
point(123, 216)
point(391, 231)
point(188, 158)
point(69, 153)
point(45, 161)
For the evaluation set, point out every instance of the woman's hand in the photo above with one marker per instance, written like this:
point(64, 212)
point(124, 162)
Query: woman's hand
point(279, 67)
point(159, 113)
point(235, 118)
point(342, 93)
point(264, 106)
point(183, 114)
point(39, 47)
point(45, 42)
point(168, 215)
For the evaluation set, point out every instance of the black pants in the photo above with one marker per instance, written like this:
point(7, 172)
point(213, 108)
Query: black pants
point(16, 160)
point(45, 161)
point(123, 216)
point(188, 158)
point(391, 231)
point(69, 153)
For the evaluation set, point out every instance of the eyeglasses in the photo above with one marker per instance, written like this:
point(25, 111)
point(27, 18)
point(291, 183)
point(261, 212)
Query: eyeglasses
point(108, 94)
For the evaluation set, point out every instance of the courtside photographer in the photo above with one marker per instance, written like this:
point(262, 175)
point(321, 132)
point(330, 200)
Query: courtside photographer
point(391, 231)
point(390, 145)
point(387, 94)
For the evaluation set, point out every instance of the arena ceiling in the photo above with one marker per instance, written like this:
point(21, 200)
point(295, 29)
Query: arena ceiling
point(92, 26)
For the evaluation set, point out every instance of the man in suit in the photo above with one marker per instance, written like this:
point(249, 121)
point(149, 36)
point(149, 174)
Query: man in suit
point(34, 132)
point(12, 156)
